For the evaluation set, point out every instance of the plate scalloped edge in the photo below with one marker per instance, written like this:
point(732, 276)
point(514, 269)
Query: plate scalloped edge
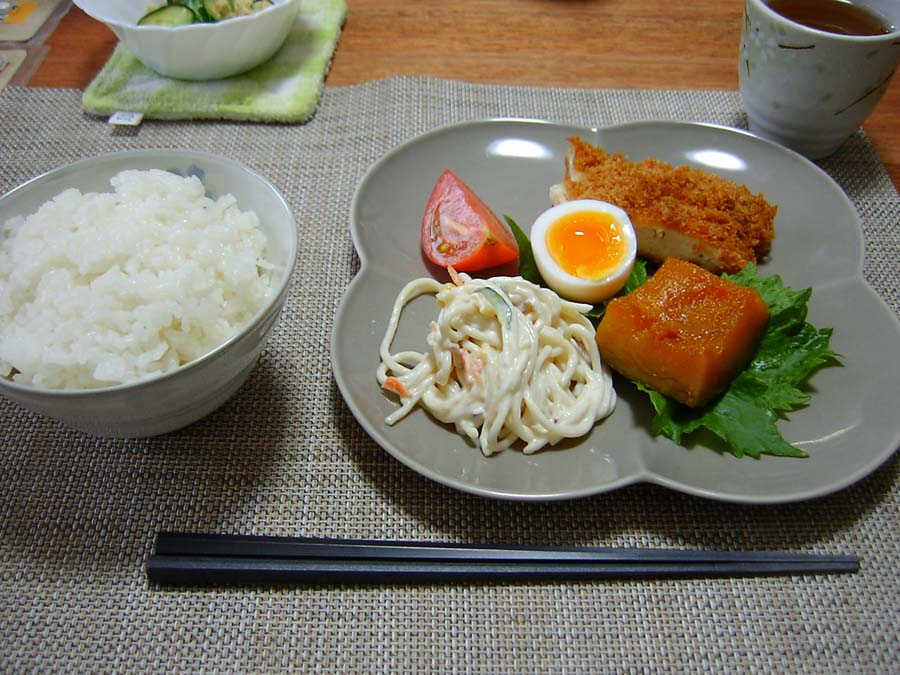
point(408, 172)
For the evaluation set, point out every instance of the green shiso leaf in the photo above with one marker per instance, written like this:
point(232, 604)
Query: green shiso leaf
point(745, 417)
point(528, 268)
point(636, 278)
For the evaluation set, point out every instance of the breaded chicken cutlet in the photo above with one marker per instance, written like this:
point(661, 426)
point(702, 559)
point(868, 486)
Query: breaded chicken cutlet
point(676, 212)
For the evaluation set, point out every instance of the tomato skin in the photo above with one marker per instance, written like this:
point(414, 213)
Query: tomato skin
point(459, 229)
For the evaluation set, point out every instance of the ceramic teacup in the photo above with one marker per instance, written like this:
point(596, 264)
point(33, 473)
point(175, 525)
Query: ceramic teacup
point(810, 89)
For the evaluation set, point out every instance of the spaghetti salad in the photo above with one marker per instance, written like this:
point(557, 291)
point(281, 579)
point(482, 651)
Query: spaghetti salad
point(507, 360)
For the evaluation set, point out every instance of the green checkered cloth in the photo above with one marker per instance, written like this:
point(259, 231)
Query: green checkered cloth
point(286, 88)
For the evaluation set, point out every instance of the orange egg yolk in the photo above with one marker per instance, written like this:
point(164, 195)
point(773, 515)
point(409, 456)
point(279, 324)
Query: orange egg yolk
point(586, 244)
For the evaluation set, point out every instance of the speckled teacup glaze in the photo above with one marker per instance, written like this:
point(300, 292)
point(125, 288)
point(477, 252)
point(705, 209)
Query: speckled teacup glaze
point(810, 90)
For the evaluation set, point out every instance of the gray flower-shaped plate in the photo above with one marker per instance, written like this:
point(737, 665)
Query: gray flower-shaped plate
point(850, 428)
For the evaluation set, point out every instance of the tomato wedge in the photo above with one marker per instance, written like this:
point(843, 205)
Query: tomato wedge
point(459, 229)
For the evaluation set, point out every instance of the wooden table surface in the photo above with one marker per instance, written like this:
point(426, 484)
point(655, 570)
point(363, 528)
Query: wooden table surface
point(640, 44)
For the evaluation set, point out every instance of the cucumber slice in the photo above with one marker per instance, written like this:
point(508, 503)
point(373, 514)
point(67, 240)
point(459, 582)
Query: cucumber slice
point(170, 15)
point(499, 303)
point(198, 7)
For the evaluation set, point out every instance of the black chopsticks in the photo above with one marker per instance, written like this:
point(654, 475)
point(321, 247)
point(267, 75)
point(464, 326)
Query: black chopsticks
point(221, 559)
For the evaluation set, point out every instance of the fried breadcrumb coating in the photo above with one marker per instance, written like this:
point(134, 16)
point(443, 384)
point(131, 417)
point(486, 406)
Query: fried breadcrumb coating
point(677, 212)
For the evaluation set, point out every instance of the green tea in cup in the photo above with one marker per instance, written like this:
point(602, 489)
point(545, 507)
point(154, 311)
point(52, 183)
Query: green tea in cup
point(833, 16)
point(812, 71)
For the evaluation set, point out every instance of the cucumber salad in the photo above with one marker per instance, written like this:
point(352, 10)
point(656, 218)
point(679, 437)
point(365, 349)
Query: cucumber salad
point(184, 12)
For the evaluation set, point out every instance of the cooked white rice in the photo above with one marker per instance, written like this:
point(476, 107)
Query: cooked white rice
point(99, 289)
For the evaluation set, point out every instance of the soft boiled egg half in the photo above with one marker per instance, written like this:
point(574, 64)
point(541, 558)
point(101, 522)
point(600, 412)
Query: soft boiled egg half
point(584, 249)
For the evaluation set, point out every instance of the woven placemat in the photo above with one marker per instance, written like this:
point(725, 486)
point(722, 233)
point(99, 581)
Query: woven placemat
point(285, 456)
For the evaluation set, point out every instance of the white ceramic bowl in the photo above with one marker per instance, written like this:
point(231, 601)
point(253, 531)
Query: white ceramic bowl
point(164, 403)
point(200, 51)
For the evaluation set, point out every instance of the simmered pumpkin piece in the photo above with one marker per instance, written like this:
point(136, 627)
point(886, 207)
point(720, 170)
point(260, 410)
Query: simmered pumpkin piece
point(685, 332)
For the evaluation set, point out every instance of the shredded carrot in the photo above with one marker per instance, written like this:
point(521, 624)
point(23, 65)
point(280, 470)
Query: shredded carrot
point(472, 366)
point(454, 276)
point(396, 386)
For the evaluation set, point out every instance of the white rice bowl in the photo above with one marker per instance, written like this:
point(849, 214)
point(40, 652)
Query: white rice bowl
point(102, 289)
